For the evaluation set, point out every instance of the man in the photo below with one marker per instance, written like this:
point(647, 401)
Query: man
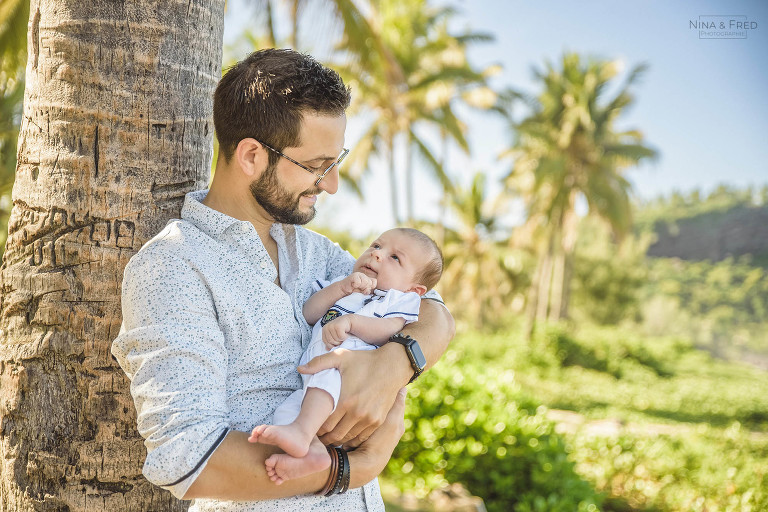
point(212, 307)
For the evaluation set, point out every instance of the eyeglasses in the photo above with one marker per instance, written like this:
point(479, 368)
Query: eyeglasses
point(320, 176)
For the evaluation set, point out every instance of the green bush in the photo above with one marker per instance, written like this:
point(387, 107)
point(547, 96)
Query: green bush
point(661, 379)
point(467, 422)
point(693, 469)
point(603, 351)
point(691, 432)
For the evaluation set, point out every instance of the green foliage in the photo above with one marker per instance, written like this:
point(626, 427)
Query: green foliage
point(567, 151)
point(678, 206)
point(690, 428)
point(722, 306)
point(615, 356)
point(407, 68)
point(13, 45)
point(468, 423)
point(651, 379)
point(699, 469)
point(607, 275)
point(482, 272)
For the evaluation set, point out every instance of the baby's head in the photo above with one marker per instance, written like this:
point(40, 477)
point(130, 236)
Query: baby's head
point(403, 259)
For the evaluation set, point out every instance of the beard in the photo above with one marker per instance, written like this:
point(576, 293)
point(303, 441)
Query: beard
point(278, 202)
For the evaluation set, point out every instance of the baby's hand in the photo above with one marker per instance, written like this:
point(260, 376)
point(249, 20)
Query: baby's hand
point(357, 282)
point(336, 331)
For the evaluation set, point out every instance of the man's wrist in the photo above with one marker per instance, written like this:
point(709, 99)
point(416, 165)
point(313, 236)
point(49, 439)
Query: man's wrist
point(361, 468)
point(413, 351)
point(398, 364)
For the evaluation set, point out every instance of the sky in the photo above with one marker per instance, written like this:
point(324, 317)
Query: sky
point(702, 103)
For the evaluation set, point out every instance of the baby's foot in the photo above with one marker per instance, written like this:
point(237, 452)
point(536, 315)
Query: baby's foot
point(290, 438)
point(281, 467)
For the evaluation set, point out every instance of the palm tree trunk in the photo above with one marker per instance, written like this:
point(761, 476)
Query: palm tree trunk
point(558, 283)
point(570, 235)
point(532, 301)
point(408, 178)
point(393, 180)
point(294, 24)
point(270, 26)
point(443, 205)
point(545, 286)
point(116, 129)
point(567, 278)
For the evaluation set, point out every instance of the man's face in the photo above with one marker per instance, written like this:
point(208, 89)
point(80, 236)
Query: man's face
point(278, 202)
point(393, 260)
point(286, 191)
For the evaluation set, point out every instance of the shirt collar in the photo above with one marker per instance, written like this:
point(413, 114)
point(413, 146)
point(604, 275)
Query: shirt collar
point(215, 223)
point(212, 222)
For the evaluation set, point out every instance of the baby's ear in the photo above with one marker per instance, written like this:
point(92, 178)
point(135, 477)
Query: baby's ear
point(418, 288)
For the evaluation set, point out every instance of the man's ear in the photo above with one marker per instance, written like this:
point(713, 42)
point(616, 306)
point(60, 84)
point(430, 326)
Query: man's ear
point(419, 288)
point(251, 157)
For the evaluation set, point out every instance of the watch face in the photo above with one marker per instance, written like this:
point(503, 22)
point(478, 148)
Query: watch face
point(418, 355)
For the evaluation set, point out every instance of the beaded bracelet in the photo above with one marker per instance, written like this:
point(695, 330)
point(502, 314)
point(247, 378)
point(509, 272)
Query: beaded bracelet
point(345, 478)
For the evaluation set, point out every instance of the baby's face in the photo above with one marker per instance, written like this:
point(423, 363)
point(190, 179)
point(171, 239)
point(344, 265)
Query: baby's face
point(393, 260)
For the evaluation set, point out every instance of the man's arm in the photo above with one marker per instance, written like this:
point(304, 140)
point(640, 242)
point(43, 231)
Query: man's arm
point(434, 331)
point(235, 471)
point(370, 379)
point(174, 352)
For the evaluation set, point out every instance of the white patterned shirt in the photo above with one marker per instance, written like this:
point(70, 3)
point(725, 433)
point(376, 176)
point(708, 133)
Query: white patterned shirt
point(211, 343)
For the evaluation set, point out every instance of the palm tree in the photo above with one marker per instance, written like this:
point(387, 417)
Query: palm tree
point(407, 69)
point(567, 151)
point(116, 128)
point(481, 273)
point(404, 75)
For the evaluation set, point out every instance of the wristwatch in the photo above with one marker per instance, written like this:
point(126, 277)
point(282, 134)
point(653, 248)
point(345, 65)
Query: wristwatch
point(415, 355)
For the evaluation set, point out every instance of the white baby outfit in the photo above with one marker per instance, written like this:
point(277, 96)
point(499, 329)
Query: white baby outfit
point(380, 304)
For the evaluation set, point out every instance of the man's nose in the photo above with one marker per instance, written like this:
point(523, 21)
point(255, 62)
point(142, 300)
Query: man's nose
point(330, 183)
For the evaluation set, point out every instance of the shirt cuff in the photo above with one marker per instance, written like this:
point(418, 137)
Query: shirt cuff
point(180, 487)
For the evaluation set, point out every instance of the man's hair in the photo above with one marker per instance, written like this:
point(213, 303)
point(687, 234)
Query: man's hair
point(430, 274)
point(266, 95)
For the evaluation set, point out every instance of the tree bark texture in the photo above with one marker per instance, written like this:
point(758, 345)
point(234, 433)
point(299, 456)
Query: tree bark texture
point(117, 127)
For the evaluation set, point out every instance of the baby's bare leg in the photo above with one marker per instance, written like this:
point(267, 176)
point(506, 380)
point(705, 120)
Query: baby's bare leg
point(281, 467)
point(295, 438)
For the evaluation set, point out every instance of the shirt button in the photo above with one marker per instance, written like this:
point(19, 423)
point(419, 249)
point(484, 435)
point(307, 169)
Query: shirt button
point(263, 264)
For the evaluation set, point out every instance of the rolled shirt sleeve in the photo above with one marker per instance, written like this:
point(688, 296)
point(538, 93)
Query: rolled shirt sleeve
point(173, 351)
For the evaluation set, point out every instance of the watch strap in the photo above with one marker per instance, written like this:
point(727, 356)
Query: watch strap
point(406, 341)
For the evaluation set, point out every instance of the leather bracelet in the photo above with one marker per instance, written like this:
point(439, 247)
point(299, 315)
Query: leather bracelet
point(333, 475)
point(347, 473)
point(343, 462)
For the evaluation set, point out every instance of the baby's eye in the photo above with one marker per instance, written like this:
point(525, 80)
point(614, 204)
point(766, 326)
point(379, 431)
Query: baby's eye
point(394, 257)
point(375, 246)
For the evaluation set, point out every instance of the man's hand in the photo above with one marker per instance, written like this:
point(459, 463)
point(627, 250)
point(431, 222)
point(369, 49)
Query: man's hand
point(357, 282)
point(336, 331)
point(370, 383)
point(372, 456)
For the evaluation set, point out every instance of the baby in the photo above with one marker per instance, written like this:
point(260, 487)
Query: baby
point(374, 302)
